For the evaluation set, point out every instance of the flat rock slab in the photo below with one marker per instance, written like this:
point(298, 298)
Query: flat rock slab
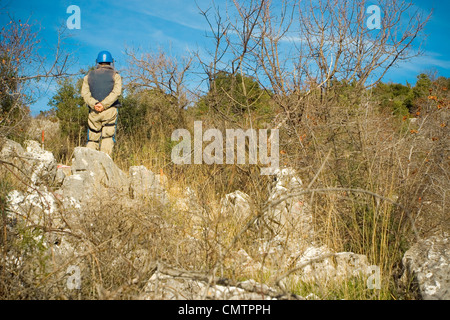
point(428, 262)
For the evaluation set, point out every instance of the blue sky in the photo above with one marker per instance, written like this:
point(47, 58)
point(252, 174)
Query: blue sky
point(177, 27)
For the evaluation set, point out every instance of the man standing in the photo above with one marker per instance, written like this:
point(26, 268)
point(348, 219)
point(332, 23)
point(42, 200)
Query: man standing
point(101, 90)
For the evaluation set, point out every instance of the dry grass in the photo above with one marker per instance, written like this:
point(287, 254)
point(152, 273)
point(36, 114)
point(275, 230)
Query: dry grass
point(402, 166)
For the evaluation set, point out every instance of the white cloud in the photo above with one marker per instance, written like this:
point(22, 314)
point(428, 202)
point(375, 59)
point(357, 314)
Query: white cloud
point(427, 61)
point(180, 12)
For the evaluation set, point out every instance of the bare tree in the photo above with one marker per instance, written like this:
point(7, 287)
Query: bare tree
point(295, 48)
point(22, 66)
point(159, 71)
point(233, 32)
point(340, 44)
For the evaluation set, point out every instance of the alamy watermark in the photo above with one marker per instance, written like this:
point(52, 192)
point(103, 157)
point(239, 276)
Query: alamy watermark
point(262, 147)
point(374, 280)
point(374, 21)
point(74, 280)
point(74, 20)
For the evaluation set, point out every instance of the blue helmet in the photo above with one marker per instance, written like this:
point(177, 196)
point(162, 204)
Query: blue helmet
point(104, 56)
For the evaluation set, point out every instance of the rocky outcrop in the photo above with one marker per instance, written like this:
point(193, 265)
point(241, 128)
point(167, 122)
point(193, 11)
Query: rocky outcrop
point(36, 204)
point(172, 284)
point(94, 173)
point(11, 151)
point(427, 263)
point(320, 264)
point(291, 244)
point(144, 184)
point(290, 252)
point(40, 207)
point(236, 205)
point(166, 287)
point(42, 163)
point(36, 163)
point(286, 208)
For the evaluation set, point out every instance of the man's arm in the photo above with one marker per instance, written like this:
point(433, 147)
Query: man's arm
point(115, 93)
point(86, 94)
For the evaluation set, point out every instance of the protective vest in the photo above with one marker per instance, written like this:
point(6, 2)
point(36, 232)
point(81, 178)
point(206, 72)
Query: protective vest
point(101, 83)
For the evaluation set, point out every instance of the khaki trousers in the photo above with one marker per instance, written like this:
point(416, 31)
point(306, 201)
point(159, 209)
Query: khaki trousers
point(102, 130)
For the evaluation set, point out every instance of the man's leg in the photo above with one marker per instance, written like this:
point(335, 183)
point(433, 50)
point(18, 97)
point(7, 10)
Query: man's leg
point(109, 130)
point(94, 131)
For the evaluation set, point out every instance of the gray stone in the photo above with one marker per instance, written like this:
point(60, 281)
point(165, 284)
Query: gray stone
point(93, 174)
point(289, 212)
point(42, 163)
point(10, 150)
point(142, 181)
point(62, 172)
point(36, 163)
point(428, 263)
point(144, 184)
point(36, 207)
point(236, 205)
point(336, 267)
point(164, 287)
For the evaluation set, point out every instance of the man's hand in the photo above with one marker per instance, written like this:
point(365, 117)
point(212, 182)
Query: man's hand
point(99, 107)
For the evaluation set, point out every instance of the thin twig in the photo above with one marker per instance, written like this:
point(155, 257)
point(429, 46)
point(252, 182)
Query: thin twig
point(303, 265)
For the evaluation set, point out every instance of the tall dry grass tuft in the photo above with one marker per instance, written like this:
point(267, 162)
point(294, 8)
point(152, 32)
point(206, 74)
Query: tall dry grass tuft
point(384, 181)
point(373, 181)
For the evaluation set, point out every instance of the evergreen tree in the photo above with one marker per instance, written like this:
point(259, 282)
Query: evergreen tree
point(71, 110)
point(236, 96)
point(422, 87)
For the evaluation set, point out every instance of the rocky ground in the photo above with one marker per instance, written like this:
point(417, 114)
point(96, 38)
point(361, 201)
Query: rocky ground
point(52, 189)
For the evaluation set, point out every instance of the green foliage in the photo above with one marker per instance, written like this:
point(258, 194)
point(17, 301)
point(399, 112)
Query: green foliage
point(31, 241)
point(130, 114)
point(149, 116)
point(346, 93)
point(403, 100)
point(395, 97)
point(72, 112)
point(443, 83)
point(236, 96)
point(7, 85)
point(5, 188)
point(422, 86)
point(12, 103)
point(149, 113)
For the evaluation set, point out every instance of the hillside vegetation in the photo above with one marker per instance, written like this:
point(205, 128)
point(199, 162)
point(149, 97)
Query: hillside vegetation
point(373, 156)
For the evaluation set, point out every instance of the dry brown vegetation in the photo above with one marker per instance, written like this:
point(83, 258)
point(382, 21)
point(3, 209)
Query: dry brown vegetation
point(375, 181)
